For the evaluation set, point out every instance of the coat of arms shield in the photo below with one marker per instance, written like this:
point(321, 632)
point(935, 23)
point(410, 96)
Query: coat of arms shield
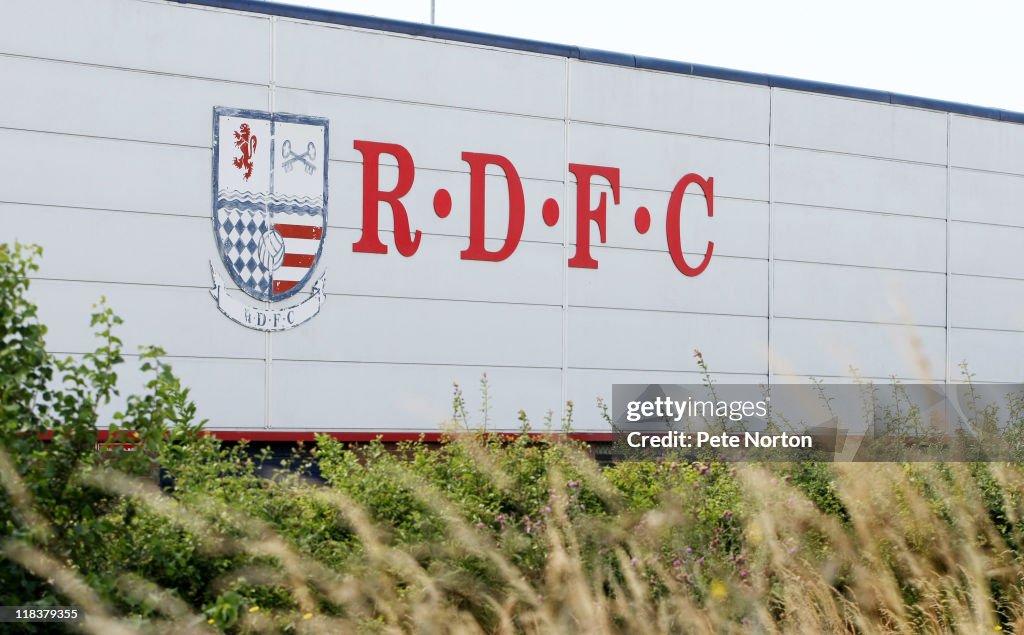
point(269, 207)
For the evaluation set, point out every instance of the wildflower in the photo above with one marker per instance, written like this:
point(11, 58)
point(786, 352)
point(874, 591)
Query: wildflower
point(634, 561)
point(756, 536)
point(210, 621)
point(676, 563)
point(689, 550)
point(718, 590)
point(479, 525)
point(307, 616)
point(547, 510)
point(253, 609)
point(572, 484)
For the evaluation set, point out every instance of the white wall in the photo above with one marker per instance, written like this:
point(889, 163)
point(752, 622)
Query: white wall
point(846, 232)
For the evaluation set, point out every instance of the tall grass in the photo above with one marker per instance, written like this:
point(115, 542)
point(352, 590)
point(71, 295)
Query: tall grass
point(480, 535)
point(635, 548)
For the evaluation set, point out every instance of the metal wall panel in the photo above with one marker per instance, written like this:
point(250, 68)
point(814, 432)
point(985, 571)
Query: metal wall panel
point(418, 70)
point(986, 303)
point(183, 321)
point(121, 104)
point(838, 292)
point(993, 356)
point(986, 197)
point(94, 245)
point(659, 341)
point(986, 250)
point(829, 349)
point(436, 137)
point(403, 331)
point(667, 102)
point(633, 279)
point(810, 234)
point(436, 272)
point(657, 160)
point(160, 37)
point(811, 177)
point(383, 397)
point(837, 124)
point(204, 378)
point(986, 145)
point(71, 171)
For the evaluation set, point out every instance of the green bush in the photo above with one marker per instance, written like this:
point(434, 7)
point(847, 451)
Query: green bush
point(482, 532)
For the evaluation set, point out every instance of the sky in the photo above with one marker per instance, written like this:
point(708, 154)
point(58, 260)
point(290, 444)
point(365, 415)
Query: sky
point(969, 51)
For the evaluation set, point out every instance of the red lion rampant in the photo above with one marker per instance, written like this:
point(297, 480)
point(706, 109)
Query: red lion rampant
point(245, 141)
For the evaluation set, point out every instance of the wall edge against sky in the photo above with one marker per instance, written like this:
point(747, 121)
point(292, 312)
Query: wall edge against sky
point(603, 57)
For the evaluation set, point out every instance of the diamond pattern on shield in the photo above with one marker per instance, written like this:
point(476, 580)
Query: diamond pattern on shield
point(240, 233)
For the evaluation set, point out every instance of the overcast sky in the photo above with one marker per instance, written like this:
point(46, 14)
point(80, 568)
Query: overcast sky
point(970, 51)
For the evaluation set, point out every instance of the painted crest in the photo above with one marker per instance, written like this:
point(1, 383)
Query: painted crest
point(269, 213)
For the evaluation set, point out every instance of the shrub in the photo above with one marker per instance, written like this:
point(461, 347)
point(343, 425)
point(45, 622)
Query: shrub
point(480, 533)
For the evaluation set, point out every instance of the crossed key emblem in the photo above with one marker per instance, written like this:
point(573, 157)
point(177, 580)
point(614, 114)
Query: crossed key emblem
point(290, 157)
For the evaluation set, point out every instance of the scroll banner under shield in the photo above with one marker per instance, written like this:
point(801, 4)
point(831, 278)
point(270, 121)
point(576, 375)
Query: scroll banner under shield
point(266, 319)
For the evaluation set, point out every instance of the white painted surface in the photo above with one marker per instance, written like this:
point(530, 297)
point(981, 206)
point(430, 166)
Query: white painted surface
point(159, 37)
point(822, 122)
point(986, 303)
point(811, 234)
point(107, 126)
point(202, 376)
point(986, 145)
point(633, 279)
point(73, 171)
point(619, 339)
point(668, 102)
point(121, 104)
point(95, 244)
point(657, 160)
point(346, 396)
point(436, 272)
point(435, 136)
point(830, 349)
point(986, 197)
point(418, 70)
point(863, 294)
point(996, 356)
point(398, 330)
point(986, 250)
point(824, 179)
point(182, 320)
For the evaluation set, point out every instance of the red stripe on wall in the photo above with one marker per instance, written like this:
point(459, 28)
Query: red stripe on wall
point(357, 437)
point(298, 260)
point(299, 231)
point(280, 286)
